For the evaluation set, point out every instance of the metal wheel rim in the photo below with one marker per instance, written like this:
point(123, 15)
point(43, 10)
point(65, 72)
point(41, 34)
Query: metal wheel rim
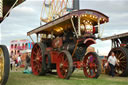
point(1, 64)
point(36, 59)
point(90, 66)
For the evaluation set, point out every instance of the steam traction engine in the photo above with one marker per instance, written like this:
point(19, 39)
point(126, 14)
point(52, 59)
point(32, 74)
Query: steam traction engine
point(120, 48)
point(64, 42)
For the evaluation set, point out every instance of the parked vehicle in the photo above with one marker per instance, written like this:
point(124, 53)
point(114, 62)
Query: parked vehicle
point(63, 44)
point(120, 48)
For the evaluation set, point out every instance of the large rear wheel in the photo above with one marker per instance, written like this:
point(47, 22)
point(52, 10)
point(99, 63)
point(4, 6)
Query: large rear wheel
point(64, 65)
point(91, 65)
point(38, 59)
point(4, 64)
point(121, 54)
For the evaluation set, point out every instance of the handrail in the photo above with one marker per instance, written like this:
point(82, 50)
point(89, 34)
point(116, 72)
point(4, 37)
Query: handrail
point(1, 8)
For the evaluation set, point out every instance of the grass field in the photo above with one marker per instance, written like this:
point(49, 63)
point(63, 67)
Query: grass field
point(77, 78)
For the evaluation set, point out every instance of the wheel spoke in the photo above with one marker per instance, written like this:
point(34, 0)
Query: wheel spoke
point(119, 55)
point(123, 61)
point(122, 66)
point(62, 59)
point(122, 57)
point(34, 53)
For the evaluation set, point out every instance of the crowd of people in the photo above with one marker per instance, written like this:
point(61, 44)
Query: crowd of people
point(16, 62)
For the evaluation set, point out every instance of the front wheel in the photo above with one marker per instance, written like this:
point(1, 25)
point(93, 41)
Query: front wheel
point(91, 65)
point(4, 64)
point(64, 65)
point(38, 59)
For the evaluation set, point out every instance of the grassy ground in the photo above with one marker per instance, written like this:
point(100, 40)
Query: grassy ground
point(77, 78)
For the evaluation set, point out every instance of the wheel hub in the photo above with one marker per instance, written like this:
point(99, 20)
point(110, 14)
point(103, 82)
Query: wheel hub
point(37, 59)
point(61, 65)
point(92, 65)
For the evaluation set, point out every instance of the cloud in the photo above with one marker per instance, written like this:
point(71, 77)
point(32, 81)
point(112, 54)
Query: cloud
point(19, 11)
point(103, 47)
point(105, 6)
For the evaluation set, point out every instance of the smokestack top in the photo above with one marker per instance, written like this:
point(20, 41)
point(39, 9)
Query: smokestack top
point(75, 4)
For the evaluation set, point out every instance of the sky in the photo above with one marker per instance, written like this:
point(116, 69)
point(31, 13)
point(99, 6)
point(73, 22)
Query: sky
point(26, 17)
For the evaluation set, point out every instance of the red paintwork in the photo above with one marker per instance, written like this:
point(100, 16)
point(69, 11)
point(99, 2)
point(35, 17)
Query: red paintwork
point(89, 42)
point(123, 45)
point(57, 43)
point(94, 30)
point(49, 49)
point(78, 64)
point(54, 56)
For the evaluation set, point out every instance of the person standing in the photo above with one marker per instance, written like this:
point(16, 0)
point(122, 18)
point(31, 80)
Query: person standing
point(27, 61)
point(11, 62)
point(18, 62)
point(112, 61)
